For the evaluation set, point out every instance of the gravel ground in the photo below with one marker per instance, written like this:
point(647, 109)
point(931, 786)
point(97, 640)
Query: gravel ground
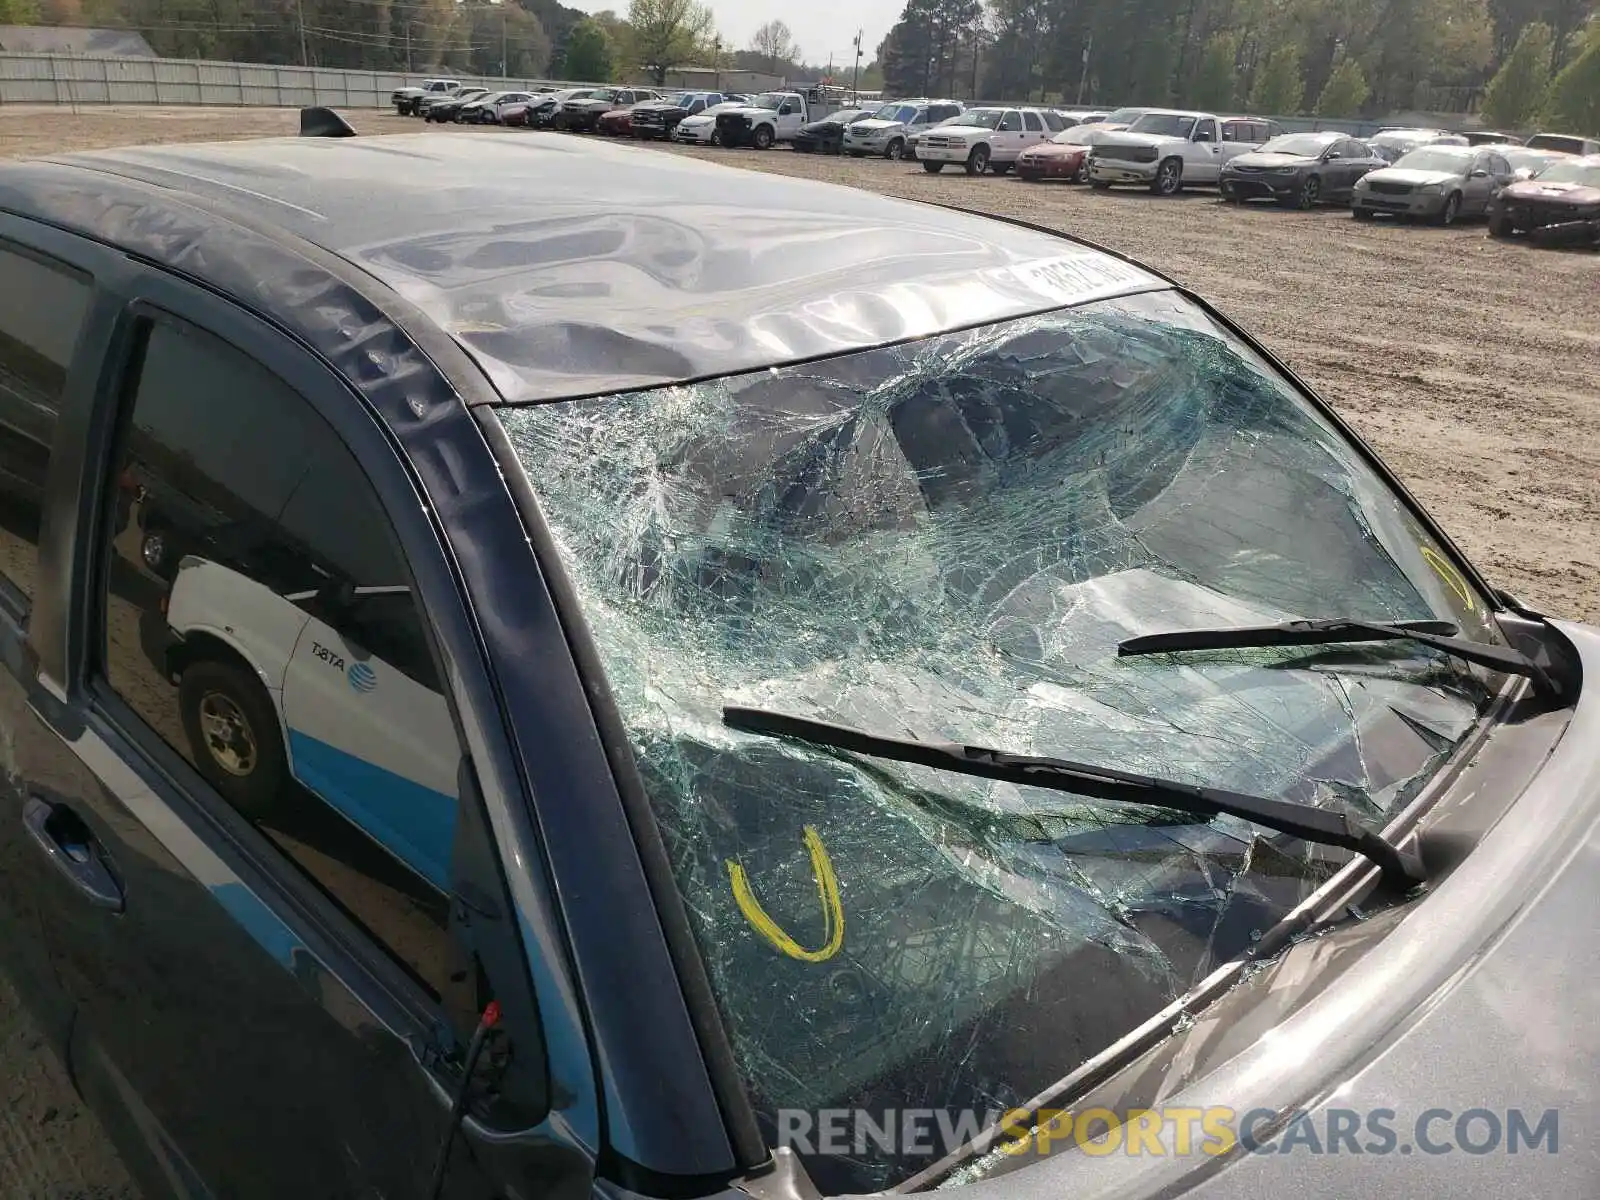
point(1471, 366)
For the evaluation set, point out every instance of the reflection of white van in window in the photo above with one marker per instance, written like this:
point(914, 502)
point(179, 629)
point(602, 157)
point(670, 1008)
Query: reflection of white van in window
point(270, 690)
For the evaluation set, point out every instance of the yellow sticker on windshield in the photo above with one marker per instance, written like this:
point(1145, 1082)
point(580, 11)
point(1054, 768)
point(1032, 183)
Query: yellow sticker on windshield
point(1445, 570)
point(827, 889)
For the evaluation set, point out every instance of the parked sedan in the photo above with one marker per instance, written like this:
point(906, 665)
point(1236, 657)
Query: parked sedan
point(618, 122)
point(543, 110)
point(1300, 169)
point(1527, 162)
point(445, 109)
point(1065, 156)
point(1395, 144)
point(1563, 193)
point(1439, 183)
point(487, 110)
point(700, 129)
point(674, 699)
point(827, 135)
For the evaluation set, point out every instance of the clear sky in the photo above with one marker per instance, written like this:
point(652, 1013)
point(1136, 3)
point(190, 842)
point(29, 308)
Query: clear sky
point(820, 27)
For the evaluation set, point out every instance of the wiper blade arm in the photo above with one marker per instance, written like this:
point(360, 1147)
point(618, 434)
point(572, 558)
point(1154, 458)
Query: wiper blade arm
point(1103, 783)
point(1441, 635)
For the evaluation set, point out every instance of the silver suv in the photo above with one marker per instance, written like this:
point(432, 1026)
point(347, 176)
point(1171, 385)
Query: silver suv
point(889, 130)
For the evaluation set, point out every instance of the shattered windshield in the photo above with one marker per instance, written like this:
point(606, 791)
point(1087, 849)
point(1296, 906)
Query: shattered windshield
point(946, 540)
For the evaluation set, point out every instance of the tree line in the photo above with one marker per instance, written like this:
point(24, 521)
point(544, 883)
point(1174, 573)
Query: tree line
point(1340, 58)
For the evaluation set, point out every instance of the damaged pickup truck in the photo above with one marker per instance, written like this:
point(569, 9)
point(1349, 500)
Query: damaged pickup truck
point(912, 696)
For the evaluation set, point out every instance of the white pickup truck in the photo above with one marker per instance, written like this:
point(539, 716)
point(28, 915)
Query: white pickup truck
point(1166, 149)
point(407, 101)
point(983, 139)
point(770, 118)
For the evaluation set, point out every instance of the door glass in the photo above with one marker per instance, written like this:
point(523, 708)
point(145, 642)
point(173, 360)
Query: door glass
point(1233, 131)
point(1206, 131)
point(1031, 120)
point(42, 308)
point(1011, 122)
point(260, 619)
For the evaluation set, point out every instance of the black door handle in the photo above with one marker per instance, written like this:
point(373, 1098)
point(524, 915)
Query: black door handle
point(67, 842)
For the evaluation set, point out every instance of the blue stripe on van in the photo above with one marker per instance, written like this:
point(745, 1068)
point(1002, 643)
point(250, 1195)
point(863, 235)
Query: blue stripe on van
point(416, 824)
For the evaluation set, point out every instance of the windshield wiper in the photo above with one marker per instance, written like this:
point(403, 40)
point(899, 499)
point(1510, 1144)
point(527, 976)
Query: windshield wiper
point(1335, 631)
point(1102, 783)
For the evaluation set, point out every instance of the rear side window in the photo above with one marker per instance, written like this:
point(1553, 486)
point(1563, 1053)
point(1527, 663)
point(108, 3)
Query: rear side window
point(1054, 121)
point(42, 310)
point(260, 619)
point(1235, 131)
point(1032, 122)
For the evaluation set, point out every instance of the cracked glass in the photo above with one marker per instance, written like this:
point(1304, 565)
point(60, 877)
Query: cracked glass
point(946, 540)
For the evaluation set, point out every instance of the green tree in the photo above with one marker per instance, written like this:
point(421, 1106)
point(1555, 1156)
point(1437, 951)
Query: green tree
point(1346, 91)
point(503, 39)
point(1516, 94)
point(1280, 86)
point(666, 34)
point(1213, 79)
point(589, 54)
point(1574, 103)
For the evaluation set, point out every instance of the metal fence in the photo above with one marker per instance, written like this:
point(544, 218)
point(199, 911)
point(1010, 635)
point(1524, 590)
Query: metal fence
point(88, 79)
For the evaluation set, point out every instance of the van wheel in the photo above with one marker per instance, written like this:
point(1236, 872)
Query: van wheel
point(933, 168)
point(977, 160)
point(761, 139)
point(1169, 178)
point(896, 149)
point(233, 734)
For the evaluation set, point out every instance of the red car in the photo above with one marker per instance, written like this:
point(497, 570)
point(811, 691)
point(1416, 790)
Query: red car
point(616, 123)
point(1065, 156)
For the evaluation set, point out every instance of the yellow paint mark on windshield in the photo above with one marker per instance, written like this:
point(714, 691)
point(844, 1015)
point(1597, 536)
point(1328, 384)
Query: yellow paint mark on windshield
point(1445, 570)
point(827, 889)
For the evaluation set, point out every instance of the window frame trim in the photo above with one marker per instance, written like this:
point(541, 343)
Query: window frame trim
point(354, 955)
point(54, 249)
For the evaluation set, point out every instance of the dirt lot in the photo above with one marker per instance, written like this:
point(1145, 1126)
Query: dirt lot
point(1471, 365)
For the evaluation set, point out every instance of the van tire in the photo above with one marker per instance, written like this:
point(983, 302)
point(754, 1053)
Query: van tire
point(216, 688)
point(762, 138)
point(895, 150)
point(978, 160)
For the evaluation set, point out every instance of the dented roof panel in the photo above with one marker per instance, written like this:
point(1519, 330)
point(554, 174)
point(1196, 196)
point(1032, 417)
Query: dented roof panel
point(562, 282)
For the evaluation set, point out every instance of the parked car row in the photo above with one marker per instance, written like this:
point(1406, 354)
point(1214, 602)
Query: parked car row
point(1431, 174)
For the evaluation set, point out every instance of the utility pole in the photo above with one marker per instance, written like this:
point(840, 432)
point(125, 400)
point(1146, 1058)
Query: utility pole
point(716, 60)
point(502, 41)
point(408, 48)
point(855, 74)
point(1083, 75)
point(977, 50)
point(300, 17)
